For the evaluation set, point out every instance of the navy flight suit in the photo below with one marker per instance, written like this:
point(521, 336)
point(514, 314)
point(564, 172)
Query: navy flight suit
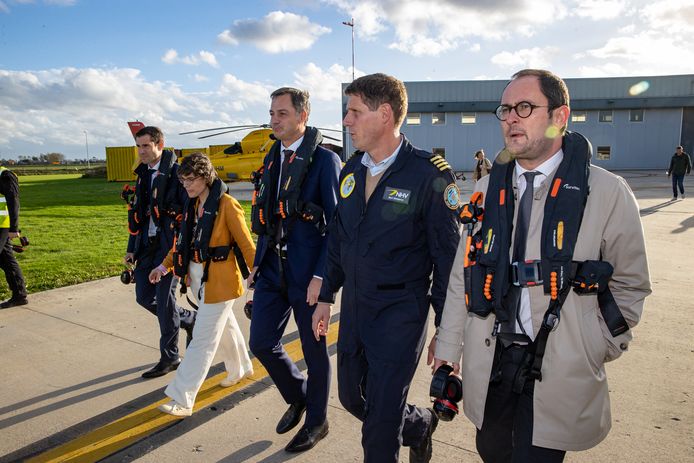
point(384, 254)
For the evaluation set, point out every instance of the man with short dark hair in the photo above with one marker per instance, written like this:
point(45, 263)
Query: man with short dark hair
point(546, 288)
point(395, 230)
point(9, 229)
point(152, 223)
point(296, 197)
point(680, 164)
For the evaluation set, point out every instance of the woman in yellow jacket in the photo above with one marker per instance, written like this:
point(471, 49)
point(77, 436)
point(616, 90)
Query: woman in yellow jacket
point(213, 223)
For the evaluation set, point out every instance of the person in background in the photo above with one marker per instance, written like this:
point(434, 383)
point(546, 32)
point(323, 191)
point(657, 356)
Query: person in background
point(680, 164)
point(9, 229)
point(482, 166)
point(213, 224)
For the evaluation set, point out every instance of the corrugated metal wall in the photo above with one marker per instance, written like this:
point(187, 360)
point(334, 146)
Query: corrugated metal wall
point(120, 162)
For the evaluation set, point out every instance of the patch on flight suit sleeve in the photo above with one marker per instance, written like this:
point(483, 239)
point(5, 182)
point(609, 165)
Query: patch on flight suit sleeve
point(347, 185)
point(440, 163)
point(451, 196)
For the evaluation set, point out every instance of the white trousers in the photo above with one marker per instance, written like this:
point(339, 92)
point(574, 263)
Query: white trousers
point(215, 326)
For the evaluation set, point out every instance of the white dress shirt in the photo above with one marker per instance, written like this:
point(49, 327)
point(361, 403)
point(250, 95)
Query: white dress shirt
point(376, 168)
point(544, 170)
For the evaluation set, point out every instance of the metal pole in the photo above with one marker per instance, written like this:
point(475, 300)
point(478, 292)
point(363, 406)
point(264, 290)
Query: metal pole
point(351, 24)
point(352, 21)
point(86, 143)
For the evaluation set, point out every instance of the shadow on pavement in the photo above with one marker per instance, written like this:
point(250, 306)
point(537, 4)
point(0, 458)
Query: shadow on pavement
point(11, 420)
point(247, 452)
point(653, 209)
point(685, 225)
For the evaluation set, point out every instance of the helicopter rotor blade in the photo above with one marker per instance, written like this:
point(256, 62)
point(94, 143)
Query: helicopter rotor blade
point(332, 138)
point(323, 129)
point(238, 129)
point(224, 128)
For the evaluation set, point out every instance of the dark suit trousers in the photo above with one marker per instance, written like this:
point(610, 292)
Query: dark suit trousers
point(9, 265)
point(381, 338)
point(271, 309)
point(160, 300)
point(507, 429)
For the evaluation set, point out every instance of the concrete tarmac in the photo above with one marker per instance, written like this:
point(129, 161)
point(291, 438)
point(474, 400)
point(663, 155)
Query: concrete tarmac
point(72, 360)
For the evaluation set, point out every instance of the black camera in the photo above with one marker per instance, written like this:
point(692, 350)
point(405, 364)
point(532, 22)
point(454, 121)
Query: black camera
point(248, 309)
point(128, 194)
point(447, 391)
point(23, 243)
point(127, 276)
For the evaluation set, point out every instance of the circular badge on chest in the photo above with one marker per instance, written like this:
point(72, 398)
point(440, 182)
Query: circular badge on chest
point(347, 186)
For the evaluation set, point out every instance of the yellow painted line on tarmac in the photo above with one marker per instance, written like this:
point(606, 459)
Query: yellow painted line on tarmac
point(109, 439)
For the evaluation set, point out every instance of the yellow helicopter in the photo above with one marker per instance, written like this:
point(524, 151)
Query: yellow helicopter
point(238, 161)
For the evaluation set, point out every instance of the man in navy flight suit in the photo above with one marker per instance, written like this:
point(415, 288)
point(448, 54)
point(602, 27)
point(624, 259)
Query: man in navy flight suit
point(395, 224)
point(289, 265)
point(159, 199)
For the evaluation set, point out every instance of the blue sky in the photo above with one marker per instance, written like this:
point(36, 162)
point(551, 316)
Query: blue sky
point(70, 66)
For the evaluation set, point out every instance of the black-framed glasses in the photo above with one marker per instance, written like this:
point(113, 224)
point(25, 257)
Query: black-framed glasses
point(188, 180)
point(523, 109)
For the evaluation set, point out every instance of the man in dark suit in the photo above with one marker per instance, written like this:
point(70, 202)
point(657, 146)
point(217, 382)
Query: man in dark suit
point(297, 195)
point(159, 199)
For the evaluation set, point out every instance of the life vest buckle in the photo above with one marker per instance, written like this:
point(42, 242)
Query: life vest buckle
point(526, 273)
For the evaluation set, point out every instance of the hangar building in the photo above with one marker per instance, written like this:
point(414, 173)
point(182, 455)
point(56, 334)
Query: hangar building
point(632, 122)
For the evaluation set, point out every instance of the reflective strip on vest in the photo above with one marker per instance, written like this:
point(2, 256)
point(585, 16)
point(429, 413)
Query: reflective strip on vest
point(4, 212)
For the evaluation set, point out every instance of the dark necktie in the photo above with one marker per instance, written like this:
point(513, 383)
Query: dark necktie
point(523, 221)
point(147, 187)
point(283, 178)
point(519, 241)
point(285, 165)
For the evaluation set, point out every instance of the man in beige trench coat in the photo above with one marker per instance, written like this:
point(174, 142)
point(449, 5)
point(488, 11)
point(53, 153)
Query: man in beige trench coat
point(565, 406)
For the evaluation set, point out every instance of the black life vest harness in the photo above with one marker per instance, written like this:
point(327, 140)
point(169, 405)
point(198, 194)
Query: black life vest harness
point(269, 205)
point(159, 203)
point(193, 239)
point(493, 284)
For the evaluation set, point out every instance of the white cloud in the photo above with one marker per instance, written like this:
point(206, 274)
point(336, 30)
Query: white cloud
point(670, 16)
point(324, 85)
point(604, 70)
point(431, 28)
point(171, 57)
point(527, 58)
point(628, 29)
point(200, 78)
point(4, 5)
point(240, 94)
point(53, 107)
point(644, 53)
point(599, 9)
point(277, 32)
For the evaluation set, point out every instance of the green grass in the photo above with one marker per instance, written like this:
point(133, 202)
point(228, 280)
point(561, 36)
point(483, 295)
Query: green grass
point(77, 228)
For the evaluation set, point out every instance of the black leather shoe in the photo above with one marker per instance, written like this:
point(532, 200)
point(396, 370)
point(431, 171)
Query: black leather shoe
point(422, 453)
point(306, 438)
point(161, 368)
point(291, 417)
point(13, 302)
